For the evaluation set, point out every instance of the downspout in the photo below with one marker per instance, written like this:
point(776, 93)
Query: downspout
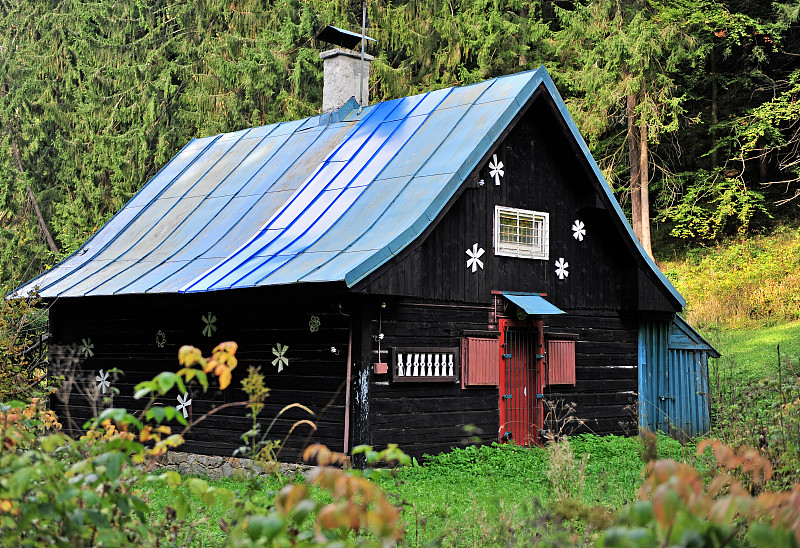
point(347, 389)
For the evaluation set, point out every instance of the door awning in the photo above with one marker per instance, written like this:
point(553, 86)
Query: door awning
point(532, 303)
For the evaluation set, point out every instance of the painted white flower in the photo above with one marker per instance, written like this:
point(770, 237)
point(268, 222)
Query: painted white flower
point(87, 347)
point(161, 339)
point(209, 320)
point(496, 170)
point(183, 403)
point(313, 324)
point(578, 230)
point(102, 381)
point(474, 254)
point(561, 268)
point(280, 360)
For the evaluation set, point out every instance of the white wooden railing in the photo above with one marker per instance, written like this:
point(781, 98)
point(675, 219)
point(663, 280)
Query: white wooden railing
point(424, 364)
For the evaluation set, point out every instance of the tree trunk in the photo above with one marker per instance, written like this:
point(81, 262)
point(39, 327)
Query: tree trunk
point(42, 225)
point(644, 172)
point(633, 156)
point(714, 106)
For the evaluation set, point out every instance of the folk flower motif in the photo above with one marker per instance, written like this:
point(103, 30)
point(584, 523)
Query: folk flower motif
point(183, 403)
point(161, 339)
point(87, 347)
point(280, 360)
point(561, 268)
point(578, 230)
point(496, 170)
point(102, 381)
point(313, 324)
point(474, 255)
point(209, 320)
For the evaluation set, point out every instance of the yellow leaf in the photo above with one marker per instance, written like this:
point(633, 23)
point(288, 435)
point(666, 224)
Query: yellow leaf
point(224, 377)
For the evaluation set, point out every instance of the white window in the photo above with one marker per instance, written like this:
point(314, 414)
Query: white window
point(521, 233)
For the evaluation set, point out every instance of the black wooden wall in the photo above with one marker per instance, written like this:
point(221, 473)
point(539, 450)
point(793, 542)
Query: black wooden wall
point(123, 331)
point(606, 373)
point(543, 172)
point(607, 289)
point(425, 417)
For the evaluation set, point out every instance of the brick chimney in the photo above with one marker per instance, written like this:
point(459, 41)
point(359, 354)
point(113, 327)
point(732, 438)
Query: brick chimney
point(341, 71)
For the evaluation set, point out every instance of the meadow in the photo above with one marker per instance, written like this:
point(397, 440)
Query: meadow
point(580, 490)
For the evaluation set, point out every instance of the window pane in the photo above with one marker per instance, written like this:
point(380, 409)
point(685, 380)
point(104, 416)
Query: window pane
point(508, 228)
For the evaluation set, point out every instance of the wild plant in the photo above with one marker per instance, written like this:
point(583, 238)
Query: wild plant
point(89, 491)
point(679, 506)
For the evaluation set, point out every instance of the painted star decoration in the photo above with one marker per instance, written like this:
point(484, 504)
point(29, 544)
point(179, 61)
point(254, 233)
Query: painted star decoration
point(496, 170)
point(87, 347)
point(183, 403)
point(474, 255)
point(561, 268)
point(280, 360)
point(102, 381)
point(578, 230)
point(209, 320)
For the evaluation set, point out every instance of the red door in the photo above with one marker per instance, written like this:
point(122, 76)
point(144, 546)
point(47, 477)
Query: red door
point(521, 381)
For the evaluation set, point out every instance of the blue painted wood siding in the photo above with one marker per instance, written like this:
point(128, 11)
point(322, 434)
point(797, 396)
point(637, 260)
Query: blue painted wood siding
point(673, 378)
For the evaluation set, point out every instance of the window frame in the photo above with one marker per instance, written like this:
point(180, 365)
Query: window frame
point(522, 251)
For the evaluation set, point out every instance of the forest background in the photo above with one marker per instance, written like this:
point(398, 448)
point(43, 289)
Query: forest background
point(689, 106)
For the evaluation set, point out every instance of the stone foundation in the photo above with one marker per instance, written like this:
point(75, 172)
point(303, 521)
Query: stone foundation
point(221, 467)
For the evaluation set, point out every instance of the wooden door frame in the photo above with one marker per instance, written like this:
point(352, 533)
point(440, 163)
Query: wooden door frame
point(536, 325)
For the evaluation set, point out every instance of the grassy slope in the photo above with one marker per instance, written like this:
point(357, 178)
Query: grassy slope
point(744, 283)
point(744, 297)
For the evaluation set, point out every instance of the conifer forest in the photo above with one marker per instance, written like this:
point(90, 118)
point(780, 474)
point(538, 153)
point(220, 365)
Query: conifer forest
point(689, 106)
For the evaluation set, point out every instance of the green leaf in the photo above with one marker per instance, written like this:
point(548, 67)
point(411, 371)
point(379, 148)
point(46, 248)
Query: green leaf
point(197, 486)
point(114, 465)
point(98, 519)
point(113, 413)
point(266, 527)
point(156, 413)
point(140, 507)
point(54, 441)
point(181, 504)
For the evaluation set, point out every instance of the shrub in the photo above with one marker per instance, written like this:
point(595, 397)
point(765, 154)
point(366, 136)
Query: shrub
point(679, 507)
point(55, 490)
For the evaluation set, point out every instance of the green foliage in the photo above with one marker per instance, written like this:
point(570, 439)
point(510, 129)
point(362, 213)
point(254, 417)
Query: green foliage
point(748, 282)
point(21, 322)
point(55, 490)
point(96, 97)
point(710, 205)
point(678, 508)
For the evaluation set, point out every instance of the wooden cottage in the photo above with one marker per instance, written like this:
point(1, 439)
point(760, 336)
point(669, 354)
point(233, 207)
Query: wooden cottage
point(433, 271)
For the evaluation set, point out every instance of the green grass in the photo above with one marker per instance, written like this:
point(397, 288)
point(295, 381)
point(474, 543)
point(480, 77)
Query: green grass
point(752, 353)
point(741, 283)
point(478, 496)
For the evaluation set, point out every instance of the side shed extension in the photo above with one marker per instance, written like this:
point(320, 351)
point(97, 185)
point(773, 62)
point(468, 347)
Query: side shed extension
point(673, 378)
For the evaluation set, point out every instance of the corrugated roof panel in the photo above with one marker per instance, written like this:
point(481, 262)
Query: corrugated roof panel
point(300, 265)
point(387, 221)
point(119, 245)
point(532, 303)
point(296, 158)
point(424, 142)
point(466, 95)
point(459, 144)
point(318, 204)
point(315, 199)
point(214, 154)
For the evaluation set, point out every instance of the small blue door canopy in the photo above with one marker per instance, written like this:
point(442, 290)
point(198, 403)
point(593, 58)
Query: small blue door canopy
point(532, 303)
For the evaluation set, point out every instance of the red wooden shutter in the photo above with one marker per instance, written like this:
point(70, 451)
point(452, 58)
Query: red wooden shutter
point(480, 357)
point(561, 362)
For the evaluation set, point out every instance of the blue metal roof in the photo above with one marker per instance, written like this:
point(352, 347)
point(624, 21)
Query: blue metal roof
point(327, 198)
point(532, 303)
